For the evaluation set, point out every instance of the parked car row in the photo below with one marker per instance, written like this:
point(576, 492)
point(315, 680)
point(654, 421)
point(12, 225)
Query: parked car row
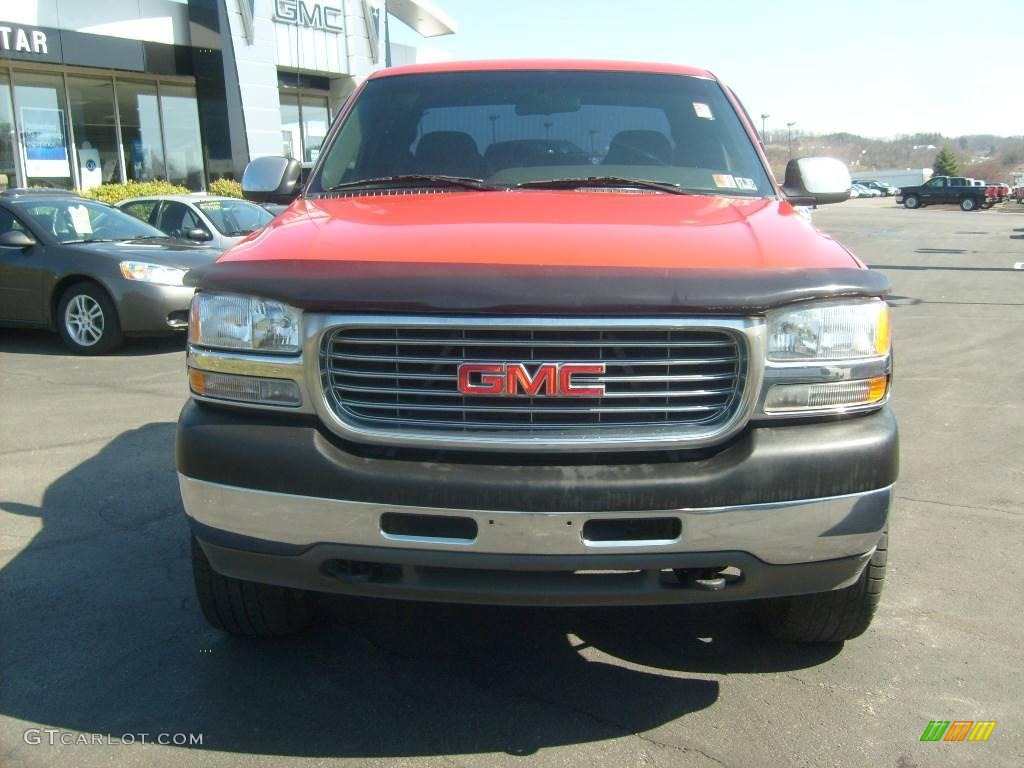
point(96, 273)
point(879, 188)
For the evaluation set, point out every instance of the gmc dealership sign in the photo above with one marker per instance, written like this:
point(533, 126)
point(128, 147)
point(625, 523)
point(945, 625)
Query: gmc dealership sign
point(305, 13)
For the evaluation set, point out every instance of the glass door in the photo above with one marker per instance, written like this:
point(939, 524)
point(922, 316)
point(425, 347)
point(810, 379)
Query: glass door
point(141, 134)
point(40, 102)
point(95, 130)
point(316, 119)
point(305, 119)
point(291, 126)
point(183, 139)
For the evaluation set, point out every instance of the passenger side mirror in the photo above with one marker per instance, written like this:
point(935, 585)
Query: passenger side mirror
point(198, 235)
point(272, 180)
point(816, 181)
point(15, 238)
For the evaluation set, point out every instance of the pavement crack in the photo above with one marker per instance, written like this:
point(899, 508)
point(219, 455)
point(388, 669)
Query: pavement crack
point(977, 508)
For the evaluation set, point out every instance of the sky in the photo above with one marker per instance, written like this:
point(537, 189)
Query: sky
point(872, 67)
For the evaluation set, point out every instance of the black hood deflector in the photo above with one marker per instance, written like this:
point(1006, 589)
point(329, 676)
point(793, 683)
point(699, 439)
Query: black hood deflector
point(379, 287)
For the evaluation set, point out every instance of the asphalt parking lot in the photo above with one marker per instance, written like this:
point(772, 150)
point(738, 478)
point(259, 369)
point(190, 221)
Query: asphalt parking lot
point(100, 632)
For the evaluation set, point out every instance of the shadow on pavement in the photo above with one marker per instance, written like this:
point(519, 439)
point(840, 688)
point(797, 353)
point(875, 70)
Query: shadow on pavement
point(101, 634)
point(33, 341)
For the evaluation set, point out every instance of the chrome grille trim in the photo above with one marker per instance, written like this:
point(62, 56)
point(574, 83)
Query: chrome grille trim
point(699, 392)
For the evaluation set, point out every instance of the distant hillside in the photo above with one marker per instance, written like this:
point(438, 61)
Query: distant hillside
point(993, 158)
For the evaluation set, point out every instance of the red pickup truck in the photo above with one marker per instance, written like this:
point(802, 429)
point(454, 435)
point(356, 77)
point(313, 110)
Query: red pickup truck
point(540, 332)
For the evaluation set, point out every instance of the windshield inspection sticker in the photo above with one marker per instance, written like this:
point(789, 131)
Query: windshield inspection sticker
point(80, 219)
point(724, 180)
point(702, 110)
point(745, 183)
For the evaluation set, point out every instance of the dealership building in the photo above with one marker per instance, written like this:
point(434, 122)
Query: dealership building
point(184, 90)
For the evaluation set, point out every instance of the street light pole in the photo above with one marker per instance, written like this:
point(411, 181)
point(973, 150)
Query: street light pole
point(764, 136)
point(789, 128)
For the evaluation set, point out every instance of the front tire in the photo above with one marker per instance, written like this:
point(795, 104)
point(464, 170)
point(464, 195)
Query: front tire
point(829, 617)
point(968, 204)
point(246, 608)
point(912, 202)
point(87, 320)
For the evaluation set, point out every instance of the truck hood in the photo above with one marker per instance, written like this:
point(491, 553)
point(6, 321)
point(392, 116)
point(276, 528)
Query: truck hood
point(549, 228)
point(547, 252)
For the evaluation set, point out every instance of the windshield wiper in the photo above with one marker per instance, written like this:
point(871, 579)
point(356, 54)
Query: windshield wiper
point(604, 181)
point(435, 179)
point(89, 240)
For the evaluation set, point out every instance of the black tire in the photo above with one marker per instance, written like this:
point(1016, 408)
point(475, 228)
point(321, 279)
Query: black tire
point(968, 204)
point(246, 608)
point(102, 334)
point(912, 202)
point(829, 617)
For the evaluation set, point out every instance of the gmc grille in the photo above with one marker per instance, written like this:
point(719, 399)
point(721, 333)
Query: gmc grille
point(401, 380)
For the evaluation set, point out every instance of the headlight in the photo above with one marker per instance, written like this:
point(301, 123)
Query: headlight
point(232, 321)
point(152, 273)
point(832, 331)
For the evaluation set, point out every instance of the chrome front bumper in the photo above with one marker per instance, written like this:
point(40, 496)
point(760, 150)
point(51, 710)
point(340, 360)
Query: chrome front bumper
point(791, 532)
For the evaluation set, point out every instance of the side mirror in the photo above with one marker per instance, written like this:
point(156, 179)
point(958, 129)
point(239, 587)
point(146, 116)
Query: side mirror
point(816, 181)
point(272, 180)
point(199, 235)
point(15, 238)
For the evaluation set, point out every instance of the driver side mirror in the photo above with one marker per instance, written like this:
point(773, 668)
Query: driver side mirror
point(15, 238)
point(198, 235)
point(816, 181)
point(272, 180)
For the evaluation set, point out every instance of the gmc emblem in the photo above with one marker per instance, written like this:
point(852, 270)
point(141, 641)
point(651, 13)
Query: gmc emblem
point(515, 379)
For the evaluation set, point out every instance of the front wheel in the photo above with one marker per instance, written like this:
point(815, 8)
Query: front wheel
point(912, 201)
point(87, 320)
point(968, 204)
point(246, 608)
point(829, 617)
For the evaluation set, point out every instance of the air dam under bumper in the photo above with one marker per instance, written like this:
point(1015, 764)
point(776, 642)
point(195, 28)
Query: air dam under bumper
point(567, 543)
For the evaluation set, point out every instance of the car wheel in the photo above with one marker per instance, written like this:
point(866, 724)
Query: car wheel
point(968, 204)
point(87, 320)
point(829, 617)
point(247, 608)
point(912, 201)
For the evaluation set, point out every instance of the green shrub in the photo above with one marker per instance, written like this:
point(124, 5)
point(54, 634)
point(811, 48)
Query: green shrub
point(225, 188)
point(115, 193)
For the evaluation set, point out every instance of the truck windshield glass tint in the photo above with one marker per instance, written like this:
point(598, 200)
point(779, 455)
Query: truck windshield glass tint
point(511, 128)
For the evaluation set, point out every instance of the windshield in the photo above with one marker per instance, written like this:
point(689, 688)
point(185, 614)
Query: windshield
point(233, 218)
point(510, 128)
point(76, 221)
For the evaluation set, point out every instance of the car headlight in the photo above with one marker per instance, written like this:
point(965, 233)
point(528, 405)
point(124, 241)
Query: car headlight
point(234, 321)
point(832, 331)
point(830, 357)
point(152, 273)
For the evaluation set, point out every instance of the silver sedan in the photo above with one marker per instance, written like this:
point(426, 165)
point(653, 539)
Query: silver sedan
point(218, 222)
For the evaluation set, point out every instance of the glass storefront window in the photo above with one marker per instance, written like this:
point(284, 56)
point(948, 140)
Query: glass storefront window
point(7, 142)
point(95, 131)
point(140, 130)
point(39, 99)
point(184, 141)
